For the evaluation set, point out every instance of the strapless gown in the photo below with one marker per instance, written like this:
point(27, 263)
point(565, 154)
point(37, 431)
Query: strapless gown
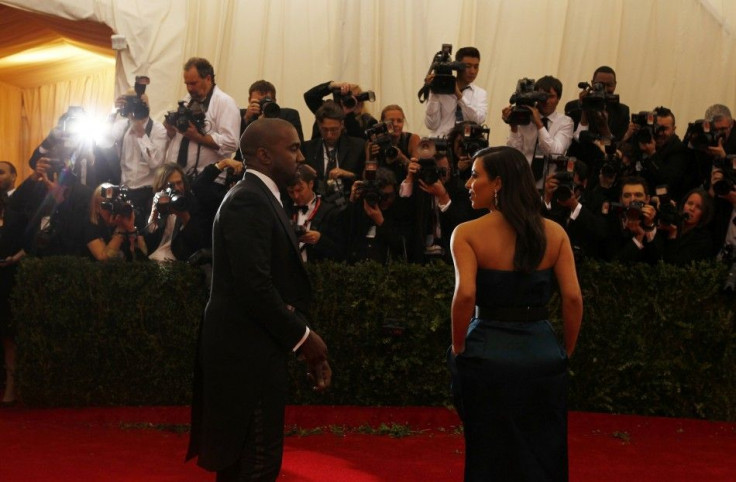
point(510, 386)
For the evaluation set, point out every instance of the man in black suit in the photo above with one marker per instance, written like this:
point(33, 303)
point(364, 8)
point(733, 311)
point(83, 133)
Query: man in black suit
point(262, 89)
point(337, 157)
point(256, 315)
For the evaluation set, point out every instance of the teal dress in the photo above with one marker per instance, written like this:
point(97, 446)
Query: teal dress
point(510, 383)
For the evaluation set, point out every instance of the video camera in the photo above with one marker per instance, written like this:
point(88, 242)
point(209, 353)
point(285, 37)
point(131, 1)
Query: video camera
point(524, 96)
point(133, 106)
point(597, 98)
point(380, 134)
point(183, 115)
point(475, 138)
point(444, 81)
point(428, 150)
point(349, 101)
point(177, 201)
point(700, 135)
point(116, 200)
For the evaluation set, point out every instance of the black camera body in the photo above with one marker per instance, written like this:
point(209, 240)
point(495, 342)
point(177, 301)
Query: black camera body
point(133, 107)
point(597, 97)
point(116, 200)
point(648, 127)
point(183, 115)
point(429, 149)
point(443, 66)
point(524, 96)
point(475, 138)
point(700, 135)
point(380, 134)
point(178, 201)
point(667, 213)
point(349, 101)
point(269, 108)
point(565, 187)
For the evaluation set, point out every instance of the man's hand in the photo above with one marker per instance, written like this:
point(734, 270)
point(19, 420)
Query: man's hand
point(228, 163)
point(437, 190)
point(253, 112)
point(717, 152)
point(337, 172)
point(412, 171)
point(193, 134)
point(373, 212)
point(550, 186)
point(310, 237)
point(314, 353)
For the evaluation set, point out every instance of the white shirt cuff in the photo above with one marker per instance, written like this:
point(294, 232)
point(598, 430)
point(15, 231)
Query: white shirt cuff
point(301, 342)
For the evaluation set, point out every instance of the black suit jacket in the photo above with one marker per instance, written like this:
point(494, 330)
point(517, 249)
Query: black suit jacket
point(350, 156)
point(256, 314)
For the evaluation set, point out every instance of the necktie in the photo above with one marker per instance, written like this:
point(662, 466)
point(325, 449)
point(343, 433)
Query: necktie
point(538, 162)
point(331, 160)
point(545, 122)
point(181, 159)
point(458, 110)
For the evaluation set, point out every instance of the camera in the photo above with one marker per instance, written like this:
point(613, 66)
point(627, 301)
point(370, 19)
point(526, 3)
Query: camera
point(349, 101)
point(728, 183)
point(667, 212)
point(300, 230)
point(183, 115)
point(116, 200)
point(597, 98)
point(269, 108)
point(648, 127)
point(699, 135)
point(444, 81)
point(380, 134)
point(524, 96)
point(429, 149)
point(73, 121)
point(177, 201)
point(565, 177)
point(475, 138)
point(133, 107)
point(369, 188)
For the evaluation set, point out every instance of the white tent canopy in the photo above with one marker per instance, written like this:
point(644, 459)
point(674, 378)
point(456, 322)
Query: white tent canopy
point(676, 53)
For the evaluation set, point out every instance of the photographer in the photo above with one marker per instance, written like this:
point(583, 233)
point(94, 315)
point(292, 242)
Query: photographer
point(392, 147)
point(176, 226)
point(568, 202)
point(631, 230)
point(689, 238)
point(374, 219)
point(336, 156)
point(465, 139)
point(351, 100)
point(548, 133)
point(195, 146)
point(468, 103)
point(314, 219)
point(662, 158)
point(615, 114)
point(56, 205)
point(711, 140)
point(440, 201)
point(141, 146)
point(111, 232)
point(70, 143)
point(262, 103)
point(209, 192)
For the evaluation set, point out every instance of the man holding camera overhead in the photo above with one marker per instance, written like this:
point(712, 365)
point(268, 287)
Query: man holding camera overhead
point(467, 103)
point(543, 132)
point(194, 147)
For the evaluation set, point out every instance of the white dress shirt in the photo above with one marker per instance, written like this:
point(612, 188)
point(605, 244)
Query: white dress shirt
point(440, 115)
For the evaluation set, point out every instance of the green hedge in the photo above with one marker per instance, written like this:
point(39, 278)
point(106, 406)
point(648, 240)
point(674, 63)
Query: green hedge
point(655, 340)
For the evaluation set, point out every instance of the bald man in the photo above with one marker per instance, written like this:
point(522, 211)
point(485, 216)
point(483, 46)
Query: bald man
point(257, 315)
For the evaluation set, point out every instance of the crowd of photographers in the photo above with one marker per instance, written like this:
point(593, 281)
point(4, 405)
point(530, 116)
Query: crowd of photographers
point(624, 186)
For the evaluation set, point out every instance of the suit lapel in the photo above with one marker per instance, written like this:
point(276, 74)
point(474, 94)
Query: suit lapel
point(278, 210)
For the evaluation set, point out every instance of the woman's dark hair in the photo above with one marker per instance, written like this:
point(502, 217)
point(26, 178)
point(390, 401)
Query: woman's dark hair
point(520, 203)
point(706, 205)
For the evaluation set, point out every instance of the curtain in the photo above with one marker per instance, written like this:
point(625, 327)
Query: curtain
point(10, 126)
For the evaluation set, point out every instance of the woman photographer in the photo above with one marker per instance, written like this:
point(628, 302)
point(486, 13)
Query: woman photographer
point(691, 239)
point(509, 371)
point(111, 231)
point(404, 144)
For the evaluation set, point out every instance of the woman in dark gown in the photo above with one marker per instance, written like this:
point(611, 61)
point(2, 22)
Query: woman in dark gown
point(509, 369)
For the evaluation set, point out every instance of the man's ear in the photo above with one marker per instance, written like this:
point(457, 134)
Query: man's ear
point(263, 155)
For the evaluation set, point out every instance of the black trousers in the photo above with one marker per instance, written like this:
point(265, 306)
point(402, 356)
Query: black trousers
point(264, 445)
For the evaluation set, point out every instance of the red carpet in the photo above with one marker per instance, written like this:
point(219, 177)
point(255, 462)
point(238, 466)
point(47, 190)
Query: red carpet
point(141, 444)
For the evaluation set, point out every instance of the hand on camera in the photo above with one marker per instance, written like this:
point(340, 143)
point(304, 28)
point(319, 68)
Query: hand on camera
point(412, 170)
point(717, 152)
point(253, 112)
point(310, 237)
point(373, 212)
point(550, 186)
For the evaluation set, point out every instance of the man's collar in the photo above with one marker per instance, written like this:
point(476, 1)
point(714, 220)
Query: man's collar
point(270, 184)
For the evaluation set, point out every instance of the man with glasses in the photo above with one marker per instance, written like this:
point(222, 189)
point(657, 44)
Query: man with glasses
point(336, 156)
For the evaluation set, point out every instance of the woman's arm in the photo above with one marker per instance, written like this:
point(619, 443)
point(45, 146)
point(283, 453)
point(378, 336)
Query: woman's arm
point(463, 301)
point(572, 298)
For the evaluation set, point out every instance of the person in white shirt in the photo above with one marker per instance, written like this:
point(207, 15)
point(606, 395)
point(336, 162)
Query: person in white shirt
point(194, 149)
point(549, 133)
point(468, 103)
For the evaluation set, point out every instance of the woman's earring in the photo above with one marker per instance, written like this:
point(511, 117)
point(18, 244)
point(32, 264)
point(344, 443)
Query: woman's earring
point(495, 199)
